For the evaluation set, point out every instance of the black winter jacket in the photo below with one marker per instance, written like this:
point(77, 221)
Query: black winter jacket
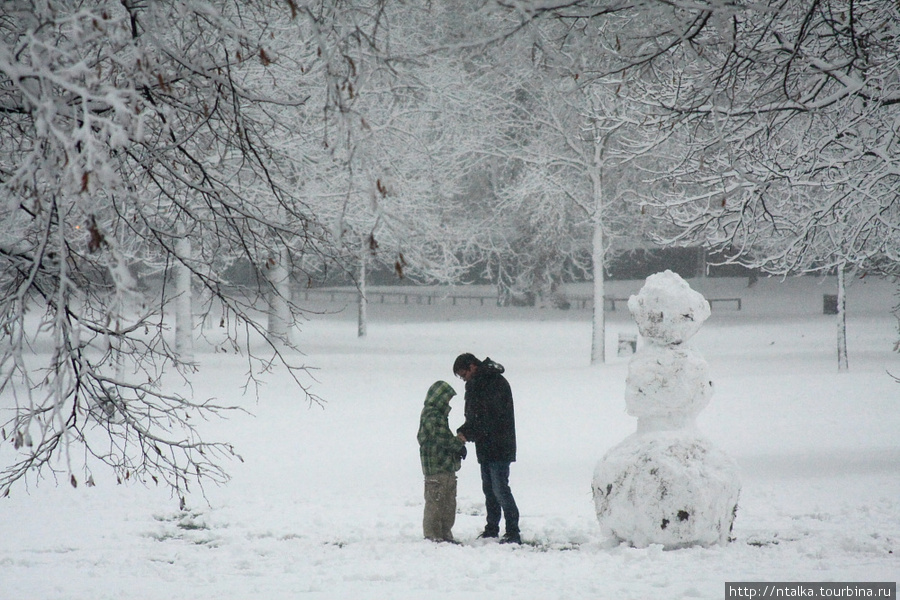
point(490, 417)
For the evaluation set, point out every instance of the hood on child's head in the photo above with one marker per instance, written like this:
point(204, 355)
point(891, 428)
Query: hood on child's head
point(439, 393)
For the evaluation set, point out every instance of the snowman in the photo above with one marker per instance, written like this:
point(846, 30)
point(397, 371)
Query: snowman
point(666, 483)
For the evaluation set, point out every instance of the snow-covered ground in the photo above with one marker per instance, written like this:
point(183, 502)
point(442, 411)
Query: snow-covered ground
point(328, 501)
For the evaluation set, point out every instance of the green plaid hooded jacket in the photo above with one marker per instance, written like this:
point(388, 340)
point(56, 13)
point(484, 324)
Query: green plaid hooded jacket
point(439, 449)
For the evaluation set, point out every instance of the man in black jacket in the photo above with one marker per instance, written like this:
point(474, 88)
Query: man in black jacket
point(491, 424)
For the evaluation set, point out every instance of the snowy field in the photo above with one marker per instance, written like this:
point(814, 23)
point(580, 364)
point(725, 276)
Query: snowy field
point(328, 501)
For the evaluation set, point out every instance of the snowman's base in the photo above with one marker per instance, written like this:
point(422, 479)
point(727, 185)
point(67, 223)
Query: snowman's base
point(666, 487)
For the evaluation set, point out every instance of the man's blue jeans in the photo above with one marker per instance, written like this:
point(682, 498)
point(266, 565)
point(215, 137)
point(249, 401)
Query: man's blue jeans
point(498, 497)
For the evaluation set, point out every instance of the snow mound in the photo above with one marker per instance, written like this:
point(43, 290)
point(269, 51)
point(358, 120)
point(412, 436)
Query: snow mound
point(670, 488)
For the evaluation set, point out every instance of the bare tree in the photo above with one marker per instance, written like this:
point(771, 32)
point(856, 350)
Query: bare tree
point(571, 150)
point(796, 142)
point(786, 113)
point(128, 129)
point(400, 153)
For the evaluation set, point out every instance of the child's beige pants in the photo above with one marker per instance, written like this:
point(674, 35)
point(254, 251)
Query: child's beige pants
point(440, 507)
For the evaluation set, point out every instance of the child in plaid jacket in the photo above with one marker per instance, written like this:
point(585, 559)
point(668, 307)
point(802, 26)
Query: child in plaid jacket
point(440, 452)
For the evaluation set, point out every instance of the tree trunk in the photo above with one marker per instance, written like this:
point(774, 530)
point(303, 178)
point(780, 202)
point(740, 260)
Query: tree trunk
point(363, 301)
point(184, 326)
point(280, 320)
point(843, 363)
point(701, 262)
point(122, 307)
point(598, 337)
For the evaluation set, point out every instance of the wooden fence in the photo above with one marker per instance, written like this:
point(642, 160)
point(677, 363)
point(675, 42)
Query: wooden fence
point(432, 298)
point(610, 302)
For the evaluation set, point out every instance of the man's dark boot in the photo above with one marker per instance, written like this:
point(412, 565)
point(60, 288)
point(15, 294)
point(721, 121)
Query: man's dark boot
point(511, 537)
